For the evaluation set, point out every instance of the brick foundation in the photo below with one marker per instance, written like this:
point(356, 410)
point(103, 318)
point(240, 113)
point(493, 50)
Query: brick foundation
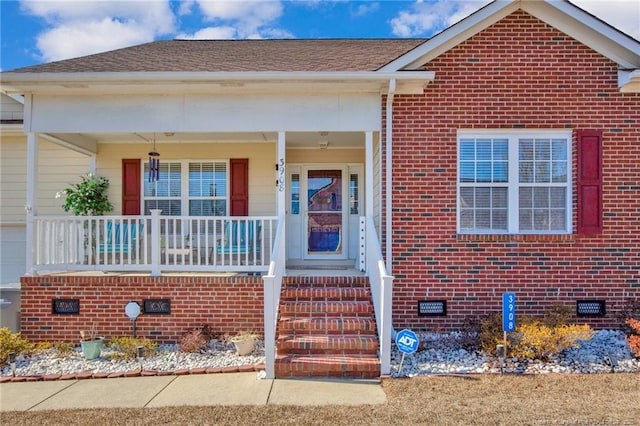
point(226, 304)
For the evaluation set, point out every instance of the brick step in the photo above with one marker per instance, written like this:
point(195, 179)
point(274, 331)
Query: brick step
point(329, 281)
point(329, 325)
point(362, 366)
point(328, 308)
point(327, 344)
point(325, 293)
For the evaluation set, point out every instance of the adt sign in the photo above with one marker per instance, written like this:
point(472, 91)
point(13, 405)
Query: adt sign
point(509, 312)
point(407, 341)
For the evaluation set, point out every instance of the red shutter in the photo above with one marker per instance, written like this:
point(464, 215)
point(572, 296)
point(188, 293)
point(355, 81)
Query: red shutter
point(131, 176)
point(239, 186)
point(590, 181)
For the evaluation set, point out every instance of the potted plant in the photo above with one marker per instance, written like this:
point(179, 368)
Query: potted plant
point(91, 344)
point(244, 342)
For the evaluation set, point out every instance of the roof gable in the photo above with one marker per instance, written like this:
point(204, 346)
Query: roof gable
point(560, 14)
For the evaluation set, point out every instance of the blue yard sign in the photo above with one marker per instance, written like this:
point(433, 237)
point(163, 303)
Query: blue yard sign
point(508, 312)
point(407, 341)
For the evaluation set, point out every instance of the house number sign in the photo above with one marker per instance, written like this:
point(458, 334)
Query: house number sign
point(509, 312)
point(281, 174)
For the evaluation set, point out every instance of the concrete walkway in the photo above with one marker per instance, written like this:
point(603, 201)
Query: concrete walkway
point(195, 390)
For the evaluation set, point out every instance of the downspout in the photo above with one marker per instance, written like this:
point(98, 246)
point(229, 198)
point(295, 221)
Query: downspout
point(388, 162)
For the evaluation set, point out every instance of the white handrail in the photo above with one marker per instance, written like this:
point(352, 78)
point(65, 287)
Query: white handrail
point(272, 287)
point(381, 292)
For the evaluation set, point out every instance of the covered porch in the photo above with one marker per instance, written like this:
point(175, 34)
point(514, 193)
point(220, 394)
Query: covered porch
point(247, 183)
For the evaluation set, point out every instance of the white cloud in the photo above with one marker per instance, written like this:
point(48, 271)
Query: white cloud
point(239, 19)
point(362, 9)
point(622, 14)
point(185, 7)
point(210, 33)
point(84, 27)
point(426, 18)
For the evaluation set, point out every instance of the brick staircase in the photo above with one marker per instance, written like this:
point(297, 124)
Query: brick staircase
point(326, 328)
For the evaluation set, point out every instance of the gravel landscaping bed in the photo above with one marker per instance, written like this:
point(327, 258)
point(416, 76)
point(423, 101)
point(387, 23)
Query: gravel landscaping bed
point(607, 352)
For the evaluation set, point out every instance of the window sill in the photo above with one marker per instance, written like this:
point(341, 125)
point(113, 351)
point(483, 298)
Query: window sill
point(516, 237)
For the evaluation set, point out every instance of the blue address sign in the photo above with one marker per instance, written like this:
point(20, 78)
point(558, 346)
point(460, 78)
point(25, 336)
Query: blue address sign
point(508, 312)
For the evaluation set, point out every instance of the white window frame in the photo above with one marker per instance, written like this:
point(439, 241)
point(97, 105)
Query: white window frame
point(184, 183)
point(513, 184)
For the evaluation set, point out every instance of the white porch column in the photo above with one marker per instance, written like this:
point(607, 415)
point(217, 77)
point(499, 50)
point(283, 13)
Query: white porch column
point(281, 176)
point(92, 164)
point(368, 166)
point(31, 205)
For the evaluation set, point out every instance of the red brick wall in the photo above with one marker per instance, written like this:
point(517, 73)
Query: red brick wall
point(519, 73)
point(226, 304)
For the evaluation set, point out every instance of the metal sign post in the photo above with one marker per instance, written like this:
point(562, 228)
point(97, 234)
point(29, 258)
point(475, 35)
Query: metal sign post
point(508, 323)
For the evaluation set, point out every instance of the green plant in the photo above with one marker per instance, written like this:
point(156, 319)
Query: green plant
point(127, 347)
point(12, 343)
point(634, 339)
point(88, 197)
point(539, 341)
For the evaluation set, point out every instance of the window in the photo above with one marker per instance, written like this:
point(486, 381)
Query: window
point(511, 183)
point(188, 188)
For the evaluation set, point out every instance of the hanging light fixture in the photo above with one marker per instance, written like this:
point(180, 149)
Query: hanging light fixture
point(154, 163)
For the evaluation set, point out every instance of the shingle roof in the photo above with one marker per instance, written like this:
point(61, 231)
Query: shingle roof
point(240, 55)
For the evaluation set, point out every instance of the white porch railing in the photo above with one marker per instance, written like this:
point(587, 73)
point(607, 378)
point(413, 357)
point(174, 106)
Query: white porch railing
point(381, 290)
point(272, 288)
point(154, 243)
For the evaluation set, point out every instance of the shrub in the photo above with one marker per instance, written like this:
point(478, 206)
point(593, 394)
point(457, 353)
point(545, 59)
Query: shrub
point(128, 346)
point(193, 341)
point(558, 314)
point(634, 339)
point(533, 338)
point(490, 333)
point(63, 348)
point(12, 343)
point(89, 197)
point(540, 341)
point(630, 309)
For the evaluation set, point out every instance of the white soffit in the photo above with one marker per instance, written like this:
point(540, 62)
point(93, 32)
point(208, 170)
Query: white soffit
point(213, 82)
point(560, 14)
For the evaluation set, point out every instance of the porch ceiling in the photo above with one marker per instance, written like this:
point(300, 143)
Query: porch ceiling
point(338, 140)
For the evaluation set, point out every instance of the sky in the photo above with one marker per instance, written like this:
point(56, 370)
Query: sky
point(39, 31)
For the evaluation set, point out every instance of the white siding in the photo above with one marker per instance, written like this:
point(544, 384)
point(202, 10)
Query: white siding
point(57, 169)
point(262, 189)
point(10, 109)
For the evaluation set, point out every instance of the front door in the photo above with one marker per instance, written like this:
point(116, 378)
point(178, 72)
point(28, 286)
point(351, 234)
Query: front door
point(317, 214)
point(324, 219)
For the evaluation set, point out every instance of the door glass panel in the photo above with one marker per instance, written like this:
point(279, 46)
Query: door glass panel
point(324, 192)
point(295, 193)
